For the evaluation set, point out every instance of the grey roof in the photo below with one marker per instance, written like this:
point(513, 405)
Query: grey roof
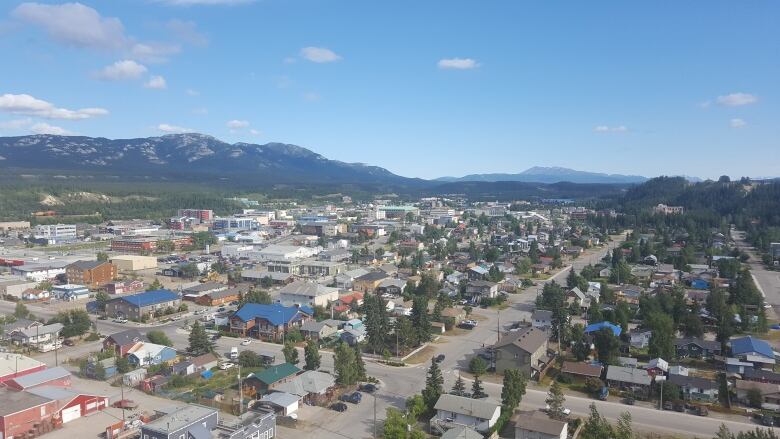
point(40, 377)
point(538, 424)
point(281, 399)
point(235, 291)
point(304, 288)
point(542, 314)
point(198, 431)
point(392, 283)
point(180, 418)
point(477, 408)
point(204, 287)
point(689, 381)
point(528, 339)
point(372, 276)
point(14, 402)
point(54, 328)
point(311, 381)
point(87, 265)
point(706, 344)
point(461, 432)
point(628, 375)
point(314, 326)
point(126, 337)
point(54, 392)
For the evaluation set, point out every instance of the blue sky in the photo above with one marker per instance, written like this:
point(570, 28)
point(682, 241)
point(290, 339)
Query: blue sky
point(423, 88)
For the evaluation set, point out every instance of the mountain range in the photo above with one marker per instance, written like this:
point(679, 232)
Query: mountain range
point(539, 174)
point(200, 157)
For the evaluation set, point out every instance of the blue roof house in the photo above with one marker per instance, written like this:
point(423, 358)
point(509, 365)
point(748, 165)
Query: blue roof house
point(136, 306)
point(595, 327)
point(700, 284)
point(268, 322)
point(753, 350)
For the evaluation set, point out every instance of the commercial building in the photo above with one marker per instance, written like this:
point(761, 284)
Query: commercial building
point(136, 306)
point(15, 287)
point(307, 293)
point(16, 365)
point(525, 350)
point(459, 411)
point(91, 273)
point(141, 244)
point(21, 412)
point(7, 226)
point(189, 422)
point(55, 233)
point(70, 292)
point(394, 212)
point(40, 272)
point(203, 215)
point(127, 263)
point(234, 224)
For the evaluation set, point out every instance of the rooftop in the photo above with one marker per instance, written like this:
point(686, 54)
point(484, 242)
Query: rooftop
point(477, 408)
point(180, 418)
point(14, 402)
point(275, 313)
point(276, 373)
point(148, 298)
point(41, 377)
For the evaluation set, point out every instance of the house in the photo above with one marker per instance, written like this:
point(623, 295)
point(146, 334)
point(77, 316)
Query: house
point(582, 370)
point(122, 342)
point(525, 350)
point(217, 298)
point(678, 370)
point(189, 422)
point(307, 293)
point(56, 376)
point(70, 292)
point(393, 287)
point(21, 410)
point(369, 282)
point(283, 403)
point(657, 366)
point(17, 365)
point(542, 319)
point(271, 378)
point(737, 366)
point(261, 426)
point(108, 365)
point(575, 295)
point(35, 295)
point(753, 350)
point(481, 289)
point(629, 378)
point(770, 393)
point(352, 301)
point(36, 335)
point(353, 336)
point(629, 294)
point(477, 273)
point(71, 404)
point(536, 425)
point(627, 362)
point(91, 273)
point(312, 386)
point(313, 330)
point(205, 362)
point(458, 411)
point(124, 287)
point(461, 433)
point(695, 388)
point(147, 354)
point(761, 376)
point(697, 348)
point(183, 368)
point(194, 292)
point(595, 327)
point(138, 306)
point(344, 281)
point(268, 322)
point(640, 339)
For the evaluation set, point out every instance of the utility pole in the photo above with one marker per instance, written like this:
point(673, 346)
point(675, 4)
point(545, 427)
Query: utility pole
point(122, 389)
point(240, 393)
point(374, 415)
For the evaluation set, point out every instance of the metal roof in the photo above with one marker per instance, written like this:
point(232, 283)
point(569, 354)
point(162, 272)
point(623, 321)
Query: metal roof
point(467, 406)
point(149, 298)
point(275, 313)
point(41, 377)
point(181, 418)
point(14, 402)
point(276, 373)
point(749, 344)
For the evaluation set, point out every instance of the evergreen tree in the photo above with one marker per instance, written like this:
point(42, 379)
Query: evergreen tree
point(377, 322)
point(290, 353)
point(200, 343)
point(459, 388)
point(360, 365)
point(312, 356)
point(580, 347)
point(662, 338)
point(344, 365)
point(477, 391)
point(434, 385)
point(555, 401)
point(256, 296)
point(596, 427)
point(513, 389)
point(420, 319)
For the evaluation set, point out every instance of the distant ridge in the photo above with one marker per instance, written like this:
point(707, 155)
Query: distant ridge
point(539, 174)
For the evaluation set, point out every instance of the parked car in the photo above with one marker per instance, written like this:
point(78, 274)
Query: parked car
point(215, 337)
point(566, 411)
point(440, 358)
point(604, 393)
point(668, 405)
point(354, 397)
point(68, 342)
point(226, 365)
point(701, 411)
point(246, 342)
point(339, 407)
point(629, 400)
point(368, 388)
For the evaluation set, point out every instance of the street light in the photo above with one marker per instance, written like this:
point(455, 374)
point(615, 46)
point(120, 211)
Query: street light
point(662, 379)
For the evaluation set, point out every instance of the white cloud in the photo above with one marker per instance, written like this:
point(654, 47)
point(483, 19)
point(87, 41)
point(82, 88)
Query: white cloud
point(187, 31)
point(458, 63)
point(737, 99)
point(45, 128)
point(205, 2)
point(154, 52)
point(319, 55)
point(32, 106)
point(255, 132)
point(191, 92)
point(609, 129)
point(156, 82)
point(737, 123)
point(74, 24)
point(122, 70)
point(237, 124)
point(173, 129)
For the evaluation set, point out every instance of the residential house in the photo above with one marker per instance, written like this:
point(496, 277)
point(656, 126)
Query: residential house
point(312, 386)
point(189, 422)
point(770, 393)
point(582, 370)
point(575, 295)
point(629, 294)
point(313, 330)
point(753, 350)
point(91, 273)
point(36, 335)
point(282, 403)
point(369, 282)
point(536, 425)
point(477, 273)
point(629, 378)
point(695, 388)
point(122, 342)
point(542, 319)
point(481, 289)
point(183, 368)
point(147, 354)
point(640, 338)
point(351, 301)
point(525, 350)
point(268, 322)
point(393, 287)
point(461, 432)
point(307, 293)
point(271, 378)
point(697, 348)
point(205, 362)
point(344, 281)
point(761, 376)
point(458, 411)
point(138, 306)
point(217, 298)
point(657, 366)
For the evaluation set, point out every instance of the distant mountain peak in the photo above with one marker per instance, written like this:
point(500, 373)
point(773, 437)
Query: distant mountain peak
point(551, 174)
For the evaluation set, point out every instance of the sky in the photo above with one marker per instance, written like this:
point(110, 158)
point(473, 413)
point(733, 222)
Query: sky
point(422, 88)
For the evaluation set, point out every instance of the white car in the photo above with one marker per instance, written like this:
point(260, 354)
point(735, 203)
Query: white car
point(566, 411)
point(246, 342)
point(226, 366)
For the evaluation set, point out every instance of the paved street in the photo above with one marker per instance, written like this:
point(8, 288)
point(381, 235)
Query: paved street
point(768, 281)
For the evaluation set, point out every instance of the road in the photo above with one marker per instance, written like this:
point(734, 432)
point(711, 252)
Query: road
point(768, 281)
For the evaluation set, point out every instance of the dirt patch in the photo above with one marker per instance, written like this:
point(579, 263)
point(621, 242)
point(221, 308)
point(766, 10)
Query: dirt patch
point(51, 200)
point(422, 356)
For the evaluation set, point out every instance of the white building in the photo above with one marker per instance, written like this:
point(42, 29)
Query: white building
point(458, 411)
point(537, 425)
point(40, 272)
point(307, 293)
point(70, 292)
point(280, 252)
point(54, 233)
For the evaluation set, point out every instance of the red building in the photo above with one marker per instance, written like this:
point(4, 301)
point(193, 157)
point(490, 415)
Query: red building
point(71, 403)
point(23, 412)
point(204, 215)
point(57, 377)
point(16, 365)
point(121, 342)
point(141, 244)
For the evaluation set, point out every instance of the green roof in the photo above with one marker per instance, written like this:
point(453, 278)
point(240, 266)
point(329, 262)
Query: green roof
point(276, 373)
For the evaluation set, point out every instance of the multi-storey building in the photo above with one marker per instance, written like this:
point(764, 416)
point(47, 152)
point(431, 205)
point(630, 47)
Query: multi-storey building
point(90, 273)
point(54, 233)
